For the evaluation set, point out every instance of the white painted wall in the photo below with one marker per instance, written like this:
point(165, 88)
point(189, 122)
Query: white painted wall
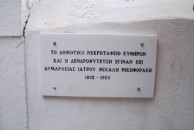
point(13, 14)
point(172, 106)
point(12, 84)
point(170, 109)
point(12, 68)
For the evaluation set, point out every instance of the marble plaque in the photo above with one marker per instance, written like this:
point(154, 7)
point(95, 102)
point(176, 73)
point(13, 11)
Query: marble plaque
point(98, 65)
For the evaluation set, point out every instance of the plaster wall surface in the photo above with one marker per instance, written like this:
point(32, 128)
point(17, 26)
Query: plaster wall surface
point(12, 84)
point(170, 109)
point(60, 13)
point(13, 14)
point(12, 73)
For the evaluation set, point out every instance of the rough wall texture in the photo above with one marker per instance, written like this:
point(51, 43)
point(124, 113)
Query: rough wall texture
point(172, 106)
point(12, 84)
point(10, 16)
point(170, 109)
point(12, 73)
point(59, 13)
point(13, 14)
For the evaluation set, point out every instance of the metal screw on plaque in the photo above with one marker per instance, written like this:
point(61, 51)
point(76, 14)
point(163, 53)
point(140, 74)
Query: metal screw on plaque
point(193, 7)
point(54, 87)
point(138, 89)
point(54, 44)
point(142, 45)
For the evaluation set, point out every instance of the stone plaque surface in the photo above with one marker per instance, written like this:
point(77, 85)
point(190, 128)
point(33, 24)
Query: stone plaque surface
point(98, 65)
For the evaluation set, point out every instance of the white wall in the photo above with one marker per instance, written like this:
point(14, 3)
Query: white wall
point(12, 68)
point(172, 106)
point(12, 84)
point(170, 109)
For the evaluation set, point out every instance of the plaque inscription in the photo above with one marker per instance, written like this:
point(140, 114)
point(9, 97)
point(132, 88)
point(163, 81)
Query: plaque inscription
point(98, 65)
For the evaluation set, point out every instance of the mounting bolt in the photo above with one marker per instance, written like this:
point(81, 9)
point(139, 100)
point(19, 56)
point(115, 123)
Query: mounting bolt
point(193, 7)
point(138, 89)
point(54, 87)
point(54, 43)
point(142, 45)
